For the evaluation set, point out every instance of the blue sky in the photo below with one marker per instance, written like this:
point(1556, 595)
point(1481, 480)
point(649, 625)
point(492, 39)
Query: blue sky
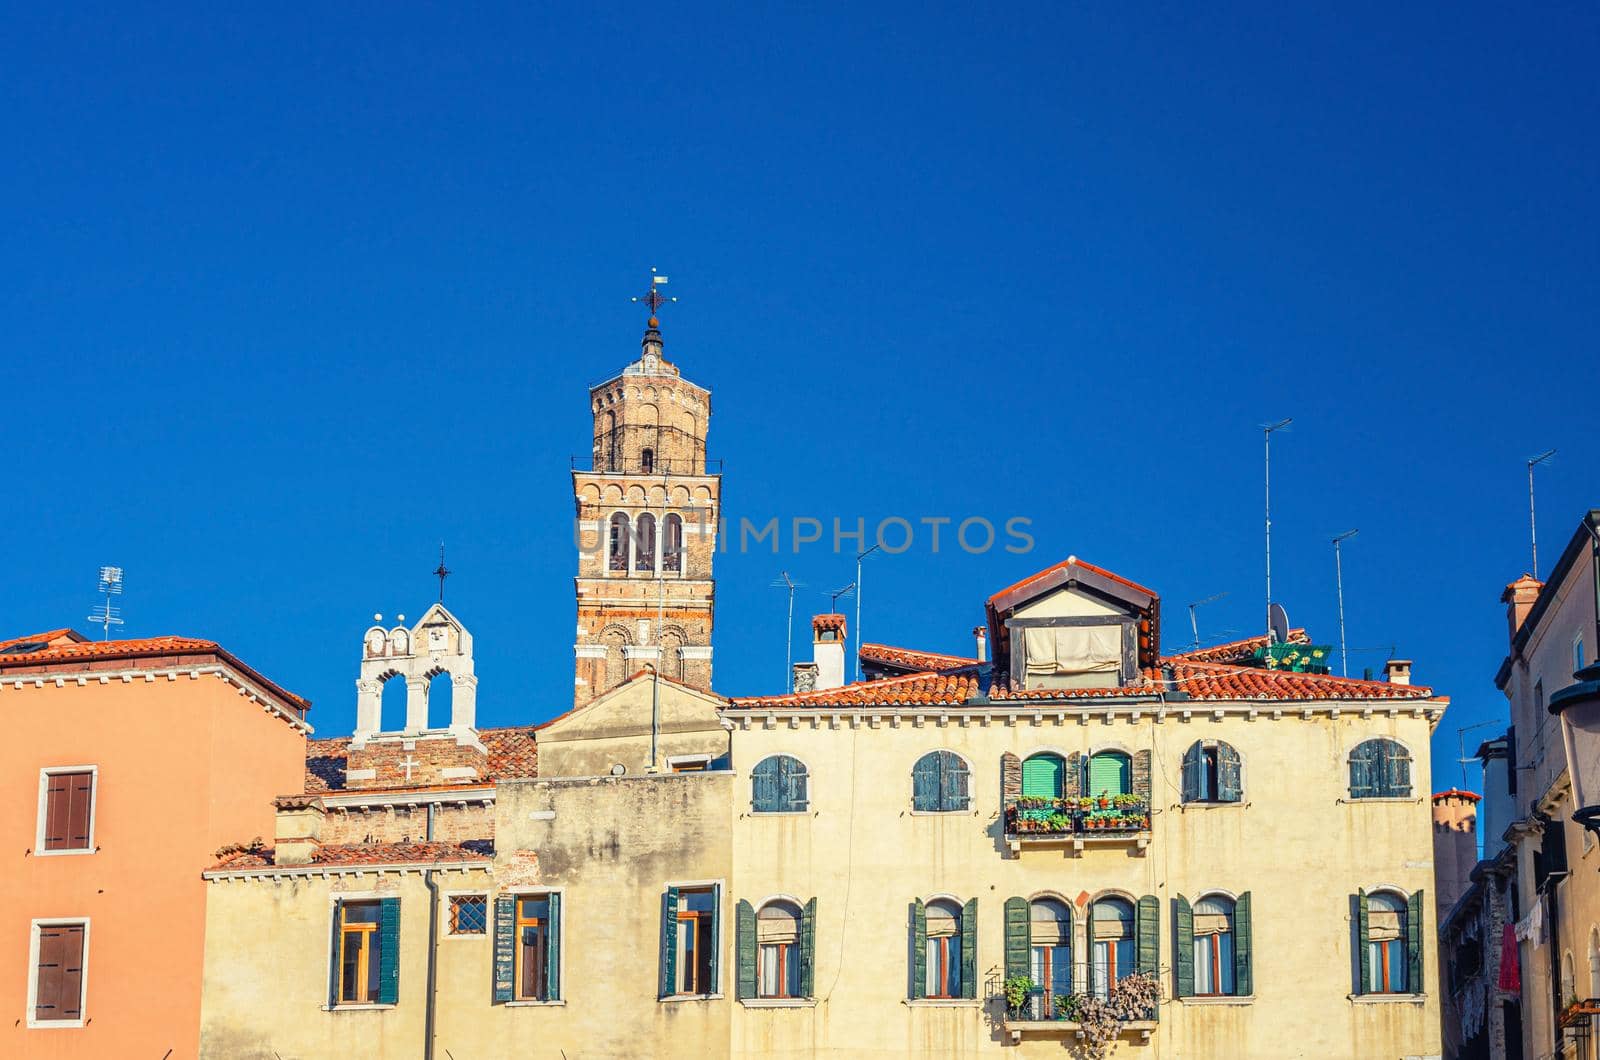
point(291, 297)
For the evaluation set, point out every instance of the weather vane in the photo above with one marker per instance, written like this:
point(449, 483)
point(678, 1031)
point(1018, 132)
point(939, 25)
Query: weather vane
point(441, 572)
point(653, 298)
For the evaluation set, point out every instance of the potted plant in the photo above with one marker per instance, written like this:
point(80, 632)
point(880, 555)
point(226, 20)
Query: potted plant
point(1105, 800)
point(1017, 988)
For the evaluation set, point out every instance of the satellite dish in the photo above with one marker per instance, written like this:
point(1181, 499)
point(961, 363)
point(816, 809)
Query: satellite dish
point(1278, 623)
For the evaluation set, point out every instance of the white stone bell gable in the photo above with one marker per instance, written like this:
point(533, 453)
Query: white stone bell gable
point(436, 644)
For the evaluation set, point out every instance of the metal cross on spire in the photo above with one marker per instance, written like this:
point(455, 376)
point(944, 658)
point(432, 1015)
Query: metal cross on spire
point(653, 298)
point(442, 572)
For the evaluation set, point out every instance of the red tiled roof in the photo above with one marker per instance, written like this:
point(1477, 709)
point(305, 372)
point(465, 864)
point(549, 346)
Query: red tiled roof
point(513, 755)
point(1458, 794)
point(365, 854)
point(1071, 561)
point(66, 646)
point(1198, 680)
point(910, 659)
point(830, 621)
point(1237, 650)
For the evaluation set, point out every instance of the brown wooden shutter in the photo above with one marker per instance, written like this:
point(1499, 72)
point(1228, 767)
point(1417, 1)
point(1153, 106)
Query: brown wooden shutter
point(58, 991)
point(67, 800)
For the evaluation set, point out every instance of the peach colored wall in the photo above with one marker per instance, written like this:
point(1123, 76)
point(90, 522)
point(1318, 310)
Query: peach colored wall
point(184, 767)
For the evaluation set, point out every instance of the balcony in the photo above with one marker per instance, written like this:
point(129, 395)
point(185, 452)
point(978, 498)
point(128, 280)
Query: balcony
point(1076, 823)
point(1041, 1014)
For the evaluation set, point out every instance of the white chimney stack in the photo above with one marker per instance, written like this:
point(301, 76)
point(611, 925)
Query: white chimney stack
point(1399, 671)
point(827, 648)
point(981, 633)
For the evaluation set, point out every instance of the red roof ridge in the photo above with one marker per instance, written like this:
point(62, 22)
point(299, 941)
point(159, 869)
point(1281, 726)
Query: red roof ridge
point(1073, 561)
point(876, 688)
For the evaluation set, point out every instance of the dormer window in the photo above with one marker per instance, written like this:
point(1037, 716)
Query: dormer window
point(1072, 656)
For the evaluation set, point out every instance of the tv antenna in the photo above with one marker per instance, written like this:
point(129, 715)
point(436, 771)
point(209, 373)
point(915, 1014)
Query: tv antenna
point(783, 581)
point(1533, 526)
point(1194, 624)
point(1267, 430)
point(106, 614)
point(857, 583)
point(1338, 576)
point(834, 596)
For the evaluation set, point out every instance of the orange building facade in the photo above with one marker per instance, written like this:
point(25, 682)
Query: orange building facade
point(128, 764)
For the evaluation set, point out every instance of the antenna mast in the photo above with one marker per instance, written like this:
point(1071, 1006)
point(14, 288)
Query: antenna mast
point(783, 581)
point(1194, 624)
point(859, 557)
point(1338, 575)
point(1266, 430)
point(1533, 526)
point(106, 615)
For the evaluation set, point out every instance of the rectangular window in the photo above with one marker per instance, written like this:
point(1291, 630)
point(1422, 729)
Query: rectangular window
point(360, 956)
point(1388, 967)
point(469, 914)
point(57, 980)
point(533, 948)
point(1213, 964)
point(696, 941)
point(66, 810)
point(944, 966)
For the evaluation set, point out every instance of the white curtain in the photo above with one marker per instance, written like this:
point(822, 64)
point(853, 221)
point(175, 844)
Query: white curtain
point(1072, 649)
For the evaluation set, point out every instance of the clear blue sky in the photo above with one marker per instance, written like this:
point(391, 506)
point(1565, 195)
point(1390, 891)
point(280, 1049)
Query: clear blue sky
point(289, 298)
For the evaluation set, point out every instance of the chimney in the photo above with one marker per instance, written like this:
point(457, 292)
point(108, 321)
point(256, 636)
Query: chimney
point(827, 648)
point(1455, 845)
point(299, 829)
point(981, 634)
point(805, 677)
point(1518, 598)
point(1398, 671)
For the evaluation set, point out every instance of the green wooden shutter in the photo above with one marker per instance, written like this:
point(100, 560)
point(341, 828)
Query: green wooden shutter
point(1108, 773)
point(1363, 779)
point(1365, 958)
point(795, 793)
point(1230, 782)
point(744, 944)
point(1243, 945)
point(1193, 775)
point(952, 782)
point(1183, 952)
point(969, 948)
point(764, 789)
point(552, 953)
point(389, 951)
point(505, 947)
point(919, 949)
point(925, 784)
point(1147, 941)
point(1041, 775)
point(716, 938)
point(669, 942)
point(1414, 914)
point(1017, 942)
point(808, 949)
point(333, 957)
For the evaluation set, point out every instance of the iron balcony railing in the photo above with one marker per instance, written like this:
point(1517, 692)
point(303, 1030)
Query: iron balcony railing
point(1037, 815)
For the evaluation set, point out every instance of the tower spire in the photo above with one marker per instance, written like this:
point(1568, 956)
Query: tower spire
point(653, 300)
point(442, 572)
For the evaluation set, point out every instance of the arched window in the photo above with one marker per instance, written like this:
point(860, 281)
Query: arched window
point(1213, 946)
point(610, 441)
point(778, 950)
point(1111, 944)
point(392, 704)
point(441, 700)
point(1042, 775)
point(1108, 773)
point(616, 665)
point(1211, 772)
point(1380, 769)
point(1386, 944)
point(940, 783)
point(647, 461)
point(778, 785)
point(672, 543)
point(617, 543)
point(1050, 953)
point(944, 950)
point(644, 551)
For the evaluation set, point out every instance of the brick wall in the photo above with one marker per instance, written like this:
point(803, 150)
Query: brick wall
point(403, 824)
point(414, 763)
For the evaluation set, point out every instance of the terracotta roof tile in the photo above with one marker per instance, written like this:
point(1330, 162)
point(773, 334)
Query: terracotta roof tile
point(1214, 681)
point(365, 854)
point(513, 755)
point(910, 659)
point(1238, 650)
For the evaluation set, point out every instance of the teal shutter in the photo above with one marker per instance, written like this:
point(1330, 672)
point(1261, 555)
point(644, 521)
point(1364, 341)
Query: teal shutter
point(333, 957)
point(1396, 770)
point(1365, 958)
point(1183, 954)
point(794, 785)
point(1109, 773)
point(919, 949)
point(952, 781)
point(1364, 771)
point(1230, 782)
point(1243, 945)
point(925, 784)
point(505, 947)
point(1147, 941)
point(716, 939)
point(969, 948)
point(1414, 914)
point(744, 944)
point(669, 942)
point(1041, 776)
point(808, 949)
point(1017, 942)
point(389, 951)
point(764, 787)
point(1194, 774)
point(552, 954)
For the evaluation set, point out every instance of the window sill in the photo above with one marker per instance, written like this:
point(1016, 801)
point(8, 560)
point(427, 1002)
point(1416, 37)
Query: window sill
point(777, 813)
point(942, 1002)
point(1208, 804)
point(779, 1002)
point(1388, 999)
point(55, 1025)
point(533, 1004)
point(1220, 999)
point(675, 998)
point(964, 812)
point(358, 1008)
point(1382, 798)
point(65, 854)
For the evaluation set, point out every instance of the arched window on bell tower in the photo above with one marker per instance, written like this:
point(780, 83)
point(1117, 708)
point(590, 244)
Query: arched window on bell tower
point(617, 543)
point(647, 461)
point(644, 553)
point(672, 544)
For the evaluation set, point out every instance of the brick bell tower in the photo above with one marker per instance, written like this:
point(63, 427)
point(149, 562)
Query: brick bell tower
point(647, 515)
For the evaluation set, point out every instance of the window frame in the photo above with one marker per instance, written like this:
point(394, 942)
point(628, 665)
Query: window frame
point(943, 809)
point(1380, 791)
point(944, 952)
point(1403, 900)
point(789, 956)
point(364, 964)
point(451, 897)
point(1100, 982)
point(32, 1022)
point(519, 960)
point(674, 554)
point(715, 969)
point(41, 821)
point(1214, 947)
point(805, 776)
point(614, 548)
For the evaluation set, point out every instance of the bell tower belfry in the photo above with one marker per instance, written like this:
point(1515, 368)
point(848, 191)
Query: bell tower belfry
point(648, 512)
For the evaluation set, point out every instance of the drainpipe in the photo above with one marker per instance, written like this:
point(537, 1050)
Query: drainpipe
point(433, 946)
